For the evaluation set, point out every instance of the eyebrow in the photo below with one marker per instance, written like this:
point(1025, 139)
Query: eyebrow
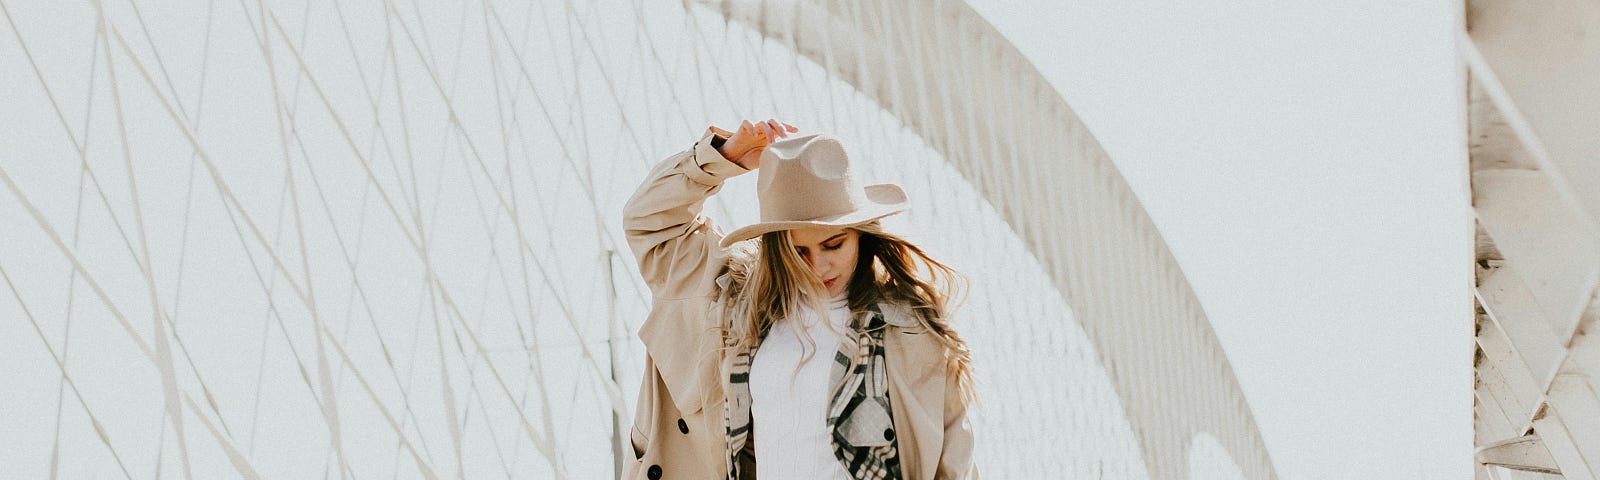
point(832, 238)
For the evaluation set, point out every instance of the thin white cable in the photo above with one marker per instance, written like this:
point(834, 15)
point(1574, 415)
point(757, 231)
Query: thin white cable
point(222, 186)
point(544, 272)
point(72, 275)
point(535, 367)
point(330, 401)
point(169, 380)
point(432, 277)
point(94, 420)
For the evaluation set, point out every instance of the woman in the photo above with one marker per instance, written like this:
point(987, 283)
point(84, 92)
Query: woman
point(826, 338)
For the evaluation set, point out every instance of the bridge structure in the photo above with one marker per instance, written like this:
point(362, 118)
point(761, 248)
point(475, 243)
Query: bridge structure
point(280, 239)
point(1536, 196)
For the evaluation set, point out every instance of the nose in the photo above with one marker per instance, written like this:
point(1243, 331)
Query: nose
point(817, 264)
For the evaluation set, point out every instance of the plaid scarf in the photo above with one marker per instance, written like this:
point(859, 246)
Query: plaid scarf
point(858, 411)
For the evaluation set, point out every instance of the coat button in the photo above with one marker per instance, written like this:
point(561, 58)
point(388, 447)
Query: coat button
point(655, 472)
point(888, 434)
point(683, 427)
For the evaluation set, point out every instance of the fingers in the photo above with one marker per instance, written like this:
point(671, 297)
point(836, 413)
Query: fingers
point(782, 129)
point(772, 129)
point(764, 134)
point(757, 134)
point(761, 132)
point(744, 147)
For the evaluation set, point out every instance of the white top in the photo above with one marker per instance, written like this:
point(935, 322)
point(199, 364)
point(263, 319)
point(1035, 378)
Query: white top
point(789, 409)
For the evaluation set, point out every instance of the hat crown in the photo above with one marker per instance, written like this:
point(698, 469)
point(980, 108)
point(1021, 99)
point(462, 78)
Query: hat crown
point(808, 181)
point(807, 178)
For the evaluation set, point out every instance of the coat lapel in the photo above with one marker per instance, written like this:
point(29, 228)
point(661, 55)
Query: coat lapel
point(916, 368)
point(686, 350)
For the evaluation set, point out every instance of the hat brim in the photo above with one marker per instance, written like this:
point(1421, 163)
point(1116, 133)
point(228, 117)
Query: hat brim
point(883, 200)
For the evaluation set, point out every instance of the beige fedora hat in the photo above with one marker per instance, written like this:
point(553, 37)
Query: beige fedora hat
point(807, 181)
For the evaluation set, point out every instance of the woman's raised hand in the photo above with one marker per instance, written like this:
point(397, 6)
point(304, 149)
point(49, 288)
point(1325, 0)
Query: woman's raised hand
point(745, 146)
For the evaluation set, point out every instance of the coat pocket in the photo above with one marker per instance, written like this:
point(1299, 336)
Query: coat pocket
point(869, 424)
point(638, 441)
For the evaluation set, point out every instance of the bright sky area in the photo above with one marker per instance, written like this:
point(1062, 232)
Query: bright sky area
point(1305, 162)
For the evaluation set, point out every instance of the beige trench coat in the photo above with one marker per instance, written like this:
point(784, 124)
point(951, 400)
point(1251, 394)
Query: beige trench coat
point(679, 431)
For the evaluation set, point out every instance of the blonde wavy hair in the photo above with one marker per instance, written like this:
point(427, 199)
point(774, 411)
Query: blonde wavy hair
point(770, 281)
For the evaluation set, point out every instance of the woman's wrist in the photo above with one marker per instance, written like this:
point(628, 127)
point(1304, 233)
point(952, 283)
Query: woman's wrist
point(717, 142)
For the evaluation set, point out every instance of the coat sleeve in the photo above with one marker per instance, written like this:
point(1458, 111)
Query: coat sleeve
point(677, 248)
point(955, 461)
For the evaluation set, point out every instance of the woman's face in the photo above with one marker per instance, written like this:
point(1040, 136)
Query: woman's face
point(830, 251)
